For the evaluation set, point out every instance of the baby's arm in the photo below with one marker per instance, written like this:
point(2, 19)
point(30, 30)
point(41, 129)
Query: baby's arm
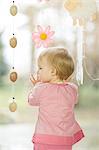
point(75, 92)
point(35, 95)
point(32, 100)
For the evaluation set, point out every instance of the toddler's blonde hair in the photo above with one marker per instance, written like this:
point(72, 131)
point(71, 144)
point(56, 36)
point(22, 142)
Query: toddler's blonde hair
point(60, 59)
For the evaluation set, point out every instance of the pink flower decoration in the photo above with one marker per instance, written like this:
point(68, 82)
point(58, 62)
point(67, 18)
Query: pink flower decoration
point(42, 37)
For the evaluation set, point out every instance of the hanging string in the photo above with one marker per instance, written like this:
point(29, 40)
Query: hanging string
point(13, 74)
point(79, 69)
point(85, 58)
point(89, 75)
point(13, 52)
point(13, 55)
point(13, 89)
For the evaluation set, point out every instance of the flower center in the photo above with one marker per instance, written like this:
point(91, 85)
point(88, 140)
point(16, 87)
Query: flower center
point(43, 36)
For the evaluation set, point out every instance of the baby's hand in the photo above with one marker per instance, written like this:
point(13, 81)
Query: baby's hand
point(33, 80)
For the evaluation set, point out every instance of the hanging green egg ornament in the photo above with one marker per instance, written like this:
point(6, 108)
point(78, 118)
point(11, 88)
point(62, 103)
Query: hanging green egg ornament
point(13, 76)
point(13, 10)
point(13, 106)
point(13, 42)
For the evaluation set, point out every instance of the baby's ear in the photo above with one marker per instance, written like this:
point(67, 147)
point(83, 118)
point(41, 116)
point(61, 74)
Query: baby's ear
point(53, 71)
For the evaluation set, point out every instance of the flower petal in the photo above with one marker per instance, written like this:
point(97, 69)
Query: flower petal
point(51, 34)
point(35, 36)
point(38, 44)
point(47, 30)
point(36, 40)
point(40, 29)
point(49, 40)
point(45, 44)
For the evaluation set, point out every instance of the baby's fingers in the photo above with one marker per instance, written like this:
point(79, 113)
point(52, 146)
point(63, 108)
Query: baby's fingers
point(32, 79)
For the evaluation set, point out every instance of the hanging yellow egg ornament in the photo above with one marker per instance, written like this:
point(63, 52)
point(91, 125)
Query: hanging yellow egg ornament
point(13, 42)
point(13, 106)
point(13, 10)
point(13, 76)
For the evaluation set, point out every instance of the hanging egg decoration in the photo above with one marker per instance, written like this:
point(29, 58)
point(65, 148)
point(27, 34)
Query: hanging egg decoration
point(13, 106)
point(13, 10)
point(13, 42)
point(13, 76)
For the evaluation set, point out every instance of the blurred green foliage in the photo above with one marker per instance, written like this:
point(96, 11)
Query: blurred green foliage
point(89, 96)
point(3, 65)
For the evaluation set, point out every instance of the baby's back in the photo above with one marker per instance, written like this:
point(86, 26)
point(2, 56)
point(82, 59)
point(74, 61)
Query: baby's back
point(56, 112)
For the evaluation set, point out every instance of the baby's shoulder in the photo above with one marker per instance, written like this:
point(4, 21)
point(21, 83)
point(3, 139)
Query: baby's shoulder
point(41, 85)
point(72, 88)
point(73, 85)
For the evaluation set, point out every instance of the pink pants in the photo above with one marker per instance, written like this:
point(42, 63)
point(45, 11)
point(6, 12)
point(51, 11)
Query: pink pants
point(51, 147)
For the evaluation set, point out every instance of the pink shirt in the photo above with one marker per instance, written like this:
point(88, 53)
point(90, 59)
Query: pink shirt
point(56, 122)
